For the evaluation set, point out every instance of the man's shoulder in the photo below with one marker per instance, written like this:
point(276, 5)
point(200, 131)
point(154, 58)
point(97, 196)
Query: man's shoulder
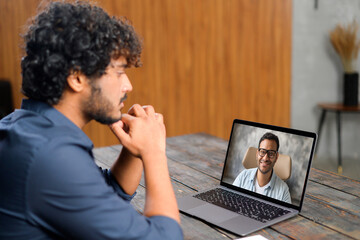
point(36, 129)
point(31, 137)
point(248, 173)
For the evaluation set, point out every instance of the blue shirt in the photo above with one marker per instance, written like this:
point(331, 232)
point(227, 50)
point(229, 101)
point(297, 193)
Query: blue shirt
point(50, 186)
point(277, 189)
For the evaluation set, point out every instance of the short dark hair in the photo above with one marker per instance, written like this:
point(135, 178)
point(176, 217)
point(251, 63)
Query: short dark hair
point(68, 37)
point(270, 136)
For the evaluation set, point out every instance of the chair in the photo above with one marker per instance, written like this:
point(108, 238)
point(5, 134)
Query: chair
point(282, 166)
point(6, 104)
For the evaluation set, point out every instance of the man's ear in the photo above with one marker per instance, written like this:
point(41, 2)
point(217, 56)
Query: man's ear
point(76, 81)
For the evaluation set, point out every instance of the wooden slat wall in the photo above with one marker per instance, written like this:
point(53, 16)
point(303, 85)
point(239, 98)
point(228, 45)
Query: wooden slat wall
point(205, 62)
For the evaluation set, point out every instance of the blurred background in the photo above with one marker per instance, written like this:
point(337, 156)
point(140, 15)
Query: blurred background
point(206, 62)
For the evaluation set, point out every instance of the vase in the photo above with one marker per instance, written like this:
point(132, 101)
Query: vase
point(351, 89)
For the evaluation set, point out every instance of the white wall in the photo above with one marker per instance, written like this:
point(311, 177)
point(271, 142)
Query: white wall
point(317, 73)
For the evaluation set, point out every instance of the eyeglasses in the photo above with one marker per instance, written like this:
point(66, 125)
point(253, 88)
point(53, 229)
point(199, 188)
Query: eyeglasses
point(271, 153)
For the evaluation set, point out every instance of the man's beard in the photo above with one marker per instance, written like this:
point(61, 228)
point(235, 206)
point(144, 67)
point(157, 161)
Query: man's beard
point(264, 172)
point(99, 108)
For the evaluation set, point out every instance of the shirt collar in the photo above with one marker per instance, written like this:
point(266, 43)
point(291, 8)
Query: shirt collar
point(272, 180)
point(56, 117)
point(252, 175)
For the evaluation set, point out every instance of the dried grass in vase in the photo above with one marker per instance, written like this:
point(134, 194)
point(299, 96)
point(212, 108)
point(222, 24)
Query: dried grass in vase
point(344, 39)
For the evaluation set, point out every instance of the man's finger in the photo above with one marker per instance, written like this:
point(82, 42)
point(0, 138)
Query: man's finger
point(117, 129)
point(126, 119)
point(136, 110)
point(159, 117)
point(118, 124)
point(149, 110)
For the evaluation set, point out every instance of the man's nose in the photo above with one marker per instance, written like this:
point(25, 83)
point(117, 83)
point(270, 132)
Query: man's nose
point(267, 156)
point(127, 84)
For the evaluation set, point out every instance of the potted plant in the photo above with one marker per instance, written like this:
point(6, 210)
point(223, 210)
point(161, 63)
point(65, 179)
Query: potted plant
point(344, 40)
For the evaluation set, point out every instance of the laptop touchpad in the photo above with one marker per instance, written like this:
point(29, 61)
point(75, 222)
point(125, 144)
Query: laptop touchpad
point(212, 213)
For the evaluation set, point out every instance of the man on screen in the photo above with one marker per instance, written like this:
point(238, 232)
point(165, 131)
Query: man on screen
point(263, 179)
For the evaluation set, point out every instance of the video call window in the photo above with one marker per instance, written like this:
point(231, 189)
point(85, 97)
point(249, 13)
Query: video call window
point(290, 167)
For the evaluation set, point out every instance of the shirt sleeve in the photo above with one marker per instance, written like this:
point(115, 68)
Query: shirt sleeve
point(237, 180)
point(69, 197)
point(243, 181)
point(111, 181)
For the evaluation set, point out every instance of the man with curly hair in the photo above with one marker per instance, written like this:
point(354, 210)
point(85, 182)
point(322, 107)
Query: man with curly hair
point(73, 72)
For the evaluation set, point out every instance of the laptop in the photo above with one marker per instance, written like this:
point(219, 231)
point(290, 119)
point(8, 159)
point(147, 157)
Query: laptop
point(235, 205)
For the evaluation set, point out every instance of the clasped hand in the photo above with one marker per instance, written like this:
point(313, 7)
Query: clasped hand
point(141, 131)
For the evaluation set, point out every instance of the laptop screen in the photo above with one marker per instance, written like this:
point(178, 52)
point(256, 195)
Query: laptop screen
point(269, 160)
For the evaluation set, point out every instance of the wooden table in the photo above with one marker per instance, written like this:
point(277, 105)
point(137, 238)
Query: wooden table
point(338, 109)
point(331, 207)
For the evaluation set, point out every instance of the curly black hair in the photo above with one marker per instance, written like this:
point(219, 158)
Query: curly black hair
point(68, 37)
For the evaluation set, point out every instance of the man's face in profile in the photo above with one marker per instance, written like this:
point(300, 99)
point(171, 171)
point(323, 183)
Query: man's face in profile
point(108, 93)
point(266, 155)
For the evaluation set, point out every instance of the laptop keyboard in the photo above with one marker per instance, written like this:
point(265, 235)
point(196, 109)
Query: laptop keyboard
point(243, 205)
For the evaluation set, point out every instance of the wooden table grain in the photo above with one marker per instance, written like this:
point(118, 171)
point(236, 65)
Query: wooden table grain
point(331, 208)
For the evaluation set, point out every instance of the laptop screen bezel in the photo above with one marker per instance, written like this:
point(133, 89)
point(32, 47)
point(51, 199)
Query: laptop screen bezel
point(274, 128)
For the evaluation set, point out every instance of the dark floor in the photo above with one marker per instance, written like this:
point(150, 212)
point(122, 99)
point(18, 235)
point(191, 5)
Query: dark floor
point(351, 166)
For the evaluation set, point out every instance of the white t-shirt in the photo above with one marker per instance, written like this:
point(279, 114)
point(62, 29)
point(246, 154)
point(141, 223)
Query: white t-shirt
point(259, 189)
